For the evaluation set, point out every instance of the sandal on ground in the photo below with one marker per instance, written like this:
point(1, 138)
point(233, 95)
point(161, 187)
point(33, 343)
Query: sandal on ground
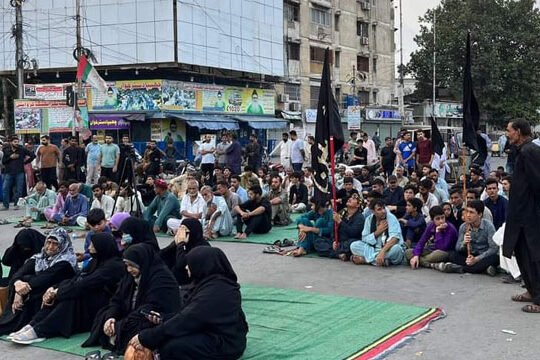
point(524, 297)
point(358, 260)
point(343, 257)
point(19, 225)
point(278, 243)
point(298, 252)
point(93, 355)
point(287, 242)
point(531, 308)
point(272, 249)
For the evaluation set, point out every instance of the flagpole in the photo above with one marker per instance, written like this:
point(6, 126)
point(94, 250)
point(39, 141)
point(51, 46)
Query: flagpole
point(334, 195)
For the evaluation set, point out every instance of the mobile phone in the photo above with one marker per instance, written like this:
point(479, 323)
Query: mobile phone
point(149, 313)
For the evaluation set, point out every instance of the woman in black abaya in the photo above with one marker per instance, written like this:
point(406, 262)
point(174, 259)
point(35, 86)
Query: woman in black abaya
point(138, 231)
point(27, 242)
point(56, 262)
point(148, 286)
point(188, 237)
point(71, 307)
point(212, 325)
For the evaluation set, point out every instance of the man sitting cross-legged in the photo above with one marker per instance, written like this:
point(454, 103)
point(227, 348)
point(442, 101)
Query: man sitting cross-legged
point(436, 242)
point(382, 241)
point(475, 252)
point(413, 223)
point(315, 224)
point(75, 205)
point(37, 202)
point(279, 199)
point(256, 214)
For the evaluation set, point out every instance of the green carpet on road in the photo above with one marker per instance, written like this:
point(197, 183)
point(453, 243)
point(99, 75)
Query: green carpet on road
point(290, 324)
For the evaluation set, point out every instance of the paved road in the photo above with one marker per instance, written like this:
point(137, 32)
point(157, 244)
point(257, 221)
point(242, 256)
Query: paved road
point(477, 306)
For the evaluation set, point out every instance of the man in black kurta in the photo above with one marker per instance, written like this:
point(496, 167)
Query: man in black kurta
point(521, 237)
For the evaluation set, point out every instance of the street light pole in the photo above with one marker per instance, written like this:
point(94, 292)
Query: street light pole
point(19, 51)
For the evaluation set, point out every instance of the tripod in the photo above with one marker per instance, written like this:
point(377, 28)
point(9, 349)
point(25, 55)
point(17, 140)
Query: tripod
point(132, 185)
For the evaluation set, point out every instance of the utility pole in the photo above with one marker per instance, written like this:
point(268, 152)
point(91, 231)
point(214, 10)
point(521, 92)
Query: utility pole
point(434, 60)
point(401, 76)
point(78, 94)
point(19, 52)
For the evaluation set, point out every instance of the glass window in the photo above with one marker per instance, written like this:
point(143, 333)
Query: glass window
point(320, 16)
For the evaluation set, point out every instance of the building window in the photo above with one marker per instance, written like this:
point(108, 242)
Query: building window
point(338, 98)
point(320, 16)
point(338, 58)
point(293, 91)
point(336, 22)
point(291, 12)
point(362, 63)
point(316, 54)
point(363, 96)
point(293, 51)
point(374, 65)
point(314, 96)
point(362, 29)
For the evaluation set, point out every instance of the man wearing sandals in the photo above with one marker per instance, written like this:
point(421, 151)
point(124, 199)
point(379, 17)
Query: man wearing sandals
point(521, 237)
point(382, 241)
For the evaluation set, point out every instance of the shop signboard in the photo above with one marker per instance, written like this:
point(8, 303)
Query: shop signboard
point(130, 95)
point(354, 116)
point(46, 91)
point(49, 116)
point(448, 110)
point(382, 114)
point(311, 115)
point(98, 122)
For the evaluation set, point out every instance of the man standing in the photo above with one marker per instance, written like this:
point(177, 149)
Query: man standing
point(253, 152)
point(221, 150)
point(369, 145)
point(407, 152)
point(73, 160)
point(424, 153)
point(521, 236)
point(307, 149)
point(208, 159)
point(234, 155)
point(110, 156)
point(47, 158)
point(297, 152)
point(152, 167)
point(284, 148)
point(388, 157)
point(15, 157)
point(93, 161)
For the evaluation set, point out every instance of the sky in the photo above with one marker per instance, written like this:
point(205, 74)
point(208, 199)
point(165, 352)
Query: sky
point(412, 10)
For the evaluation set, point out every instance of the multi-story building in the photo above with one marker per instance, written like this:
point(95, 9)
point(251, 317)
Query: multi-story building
point(360, 35)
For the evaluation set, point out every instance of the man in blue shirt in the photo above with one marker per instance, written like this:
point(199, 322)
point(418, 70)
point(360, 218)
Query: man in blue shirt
point(407, 152)
point(495, 203)
point(93, 161)
point(76, 205)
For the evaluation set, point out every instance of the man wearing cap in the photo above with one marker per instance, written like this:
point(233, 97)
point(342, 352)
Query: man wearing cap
point(165, 206)
point(15, 157)
point(47, 158)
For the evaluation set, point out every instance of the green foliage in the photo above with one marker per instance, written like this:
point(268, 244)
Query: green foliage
point(505, 55)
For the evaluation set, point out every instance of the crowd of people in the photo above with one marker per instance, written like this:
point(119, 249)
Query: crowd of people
point(393, 206)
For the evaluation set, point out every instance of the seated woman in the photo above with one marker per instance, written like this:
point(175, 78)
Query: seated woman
point(212, 325)
point(148, 286)
point(116, 221)
point(188, 237)
point(70, 307)
point(438, 240)
point(55, 262)
point(27, 242)
point(413, 223)
point(316, 223)
point(137, 231)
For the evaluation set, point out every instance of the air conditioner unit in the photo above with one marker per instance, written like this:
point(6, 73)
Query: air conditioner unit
point(283, 98)
point(295, 106)
point(364, 40)
point(365, 5)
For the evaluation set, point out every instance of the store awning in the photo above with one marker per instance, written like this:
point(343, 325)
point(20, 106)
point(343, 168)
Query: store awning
point(208, 122)
point(263, 122)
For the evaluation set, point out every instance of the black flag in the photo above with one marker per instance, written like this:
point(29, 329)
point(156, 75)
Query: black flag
point(328, 123)
point(437, 142)
point(471, 111)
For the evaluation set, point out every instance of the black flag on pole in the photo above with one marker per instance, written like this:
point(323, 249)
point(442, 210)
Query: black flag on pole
point(328, 123)
point(437, 142)
point(471, 111)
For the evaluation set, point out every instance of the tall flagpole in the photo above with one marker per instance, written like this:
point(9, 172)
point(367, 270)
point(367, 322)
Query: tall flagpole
point(434, 59)
point(334, 194)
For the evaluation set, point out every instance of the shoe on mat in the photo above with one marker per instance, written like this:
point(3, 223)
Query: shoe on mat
point(452, 268)
point(287, 242)
point(272, 249)
point(24, 328)
point(27, 337)
point(491, 270)
point(96, 354)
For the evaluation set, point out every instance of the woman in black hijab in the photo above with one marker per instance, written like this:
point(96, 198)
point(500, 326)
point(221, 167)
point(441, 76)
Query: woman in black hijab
point(148, 286)
point(212, 325)
point(71, 307)
point(27, 242)
point(137, 231)
point(188, 237)
point(56, 262)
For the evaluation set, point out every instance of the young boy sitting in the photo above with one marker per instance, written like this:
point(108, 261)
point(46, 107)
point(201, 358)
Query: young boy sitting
point(97, 223)
point(413, 223)
point(436, 242)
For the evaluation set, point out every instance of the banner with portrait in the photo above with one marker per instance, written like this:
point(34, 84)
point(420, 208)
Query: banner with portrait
point(129, 95)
